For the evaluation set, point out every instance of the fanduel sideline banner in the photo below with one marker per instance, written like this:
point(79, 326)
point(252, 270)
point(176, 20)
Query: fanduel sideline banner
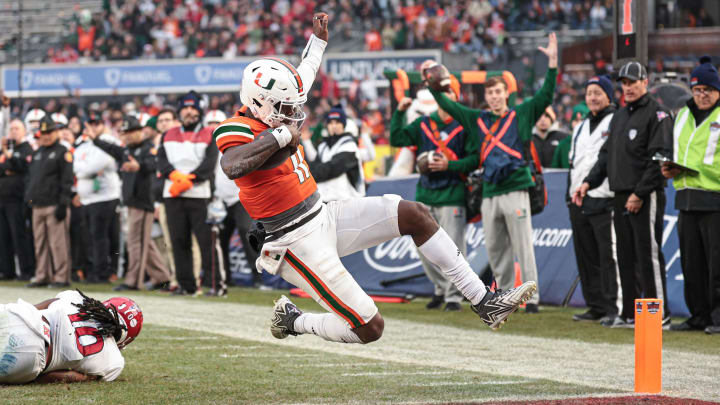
point(390, 267)
point(124, 78)
point(202, 75)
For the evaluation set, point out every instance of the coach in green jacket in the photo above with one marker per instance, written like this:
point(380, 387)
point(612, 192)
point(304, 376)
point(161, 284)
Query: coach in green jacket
point(503, 133)
point(695, 145)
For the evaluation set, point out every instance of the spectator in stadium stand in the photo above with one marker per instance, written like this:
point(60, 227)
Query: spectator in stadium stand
point(547, 136)
point(138, 164)
point(506, 174)
point(637, 133)
point(14, 233)
point(165, 120)
point(98, 191)
point(186, 159)
point(441, 188)
point(48, 192)
point(237, 217)
point(695, 145)
point(592, 222)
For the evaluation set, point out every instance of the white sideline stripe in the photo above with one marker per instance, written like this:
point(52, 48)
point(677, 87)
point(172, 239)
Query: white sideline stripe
point(186, 338)
point(383, 373)
point(269, 356)
point(601, 365)
point(347, 365)
point(451, 383)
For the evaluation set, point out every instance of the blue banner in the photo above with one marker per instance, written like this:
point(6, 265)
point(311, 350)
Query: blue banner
point(138, 77)
point(390, 267)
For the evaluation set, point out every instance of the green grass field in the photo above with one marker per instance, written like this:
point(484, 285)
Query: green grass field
point(201, 350)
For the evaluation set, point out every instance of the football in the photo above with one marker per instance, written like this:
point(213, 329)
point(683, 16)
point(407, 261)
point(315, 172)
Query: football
point(437, 77)
point(422, 162)
point(278, 157)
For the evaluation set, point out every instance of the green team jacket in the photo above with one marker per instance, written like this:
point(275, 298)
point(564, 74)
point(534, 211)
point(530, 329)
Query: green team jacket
point(527, 115)
point(411, 135)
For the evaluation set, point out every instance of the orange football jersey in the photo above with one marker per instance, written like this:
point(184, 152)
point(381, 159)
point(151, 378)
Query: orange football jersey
point(265, 193)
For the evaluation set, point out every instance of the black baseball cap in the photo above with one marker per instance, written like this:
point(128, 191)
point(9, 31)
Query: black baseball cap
point(47, 125)
point(632, 70)
point(130, 123)
point(94, 116)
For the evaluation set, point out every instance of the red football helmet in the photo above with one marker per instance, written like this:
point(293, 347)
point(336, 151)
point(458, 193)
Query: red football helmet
point(130, 315)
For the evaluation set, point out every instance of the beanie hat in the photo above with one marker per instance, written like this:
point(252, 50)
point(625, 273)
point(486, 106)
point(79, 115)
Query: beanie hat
point(152, 122)
point(191, 99)
point(337, 113)
point(705, 74)
point(604, 83)
point(581, 108)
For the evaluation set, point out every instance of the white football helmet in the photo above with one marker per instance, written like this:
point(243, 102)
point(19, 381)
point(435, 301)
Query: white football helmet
point(32, 119)
point(60, 119)
point(214, 116)
point(274, 92)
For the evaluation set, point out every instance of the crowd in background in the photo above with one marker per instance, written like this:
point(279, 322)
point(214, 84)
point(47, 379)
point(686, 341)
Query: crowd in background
point(147, 29)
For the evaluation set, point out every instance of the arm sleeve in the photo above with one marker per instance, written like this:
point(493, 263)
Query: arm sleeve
point(117, 152)
point(67, 179)
point(148, 162)
point(464, 115)
point(310, 151)
point(339, 164)
point(599, 172)
point(94, 164)
point(401, 134)
point(18, 164)
point(311, 60)
point(367, 151)
point(471, 161)
point(659, 131)
point(535, 107)
point(163, 164)
point(207, 167)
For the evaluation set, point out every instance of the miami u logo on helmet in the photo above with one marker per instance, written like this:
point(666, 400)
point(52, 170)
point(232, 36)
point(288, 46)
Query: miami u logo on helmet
point(266, 87)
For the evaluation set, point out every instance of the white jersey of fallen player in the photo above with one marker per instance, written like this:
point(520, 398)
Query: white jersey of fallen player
point(77, 345)
point(340, 187)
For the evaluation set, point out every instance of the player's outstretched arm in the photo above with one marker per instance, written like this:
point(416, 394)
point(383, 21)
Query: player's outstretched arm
point(238, 161)
point(313, 52)
point(68, 376)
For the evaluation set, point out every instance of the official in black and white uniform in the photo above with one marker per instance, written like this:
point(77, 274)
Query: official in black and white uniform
point(337, 168)
point(637, 132)
point(593, 235)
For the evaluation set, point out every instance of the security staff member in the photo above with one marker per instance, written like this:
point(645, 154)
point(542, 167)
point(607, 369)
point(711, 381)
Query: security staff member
point(138, 165)
point(695, 145)
point(16, 236)
point(48, 191)
point(441, 189)
point(637, 133)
